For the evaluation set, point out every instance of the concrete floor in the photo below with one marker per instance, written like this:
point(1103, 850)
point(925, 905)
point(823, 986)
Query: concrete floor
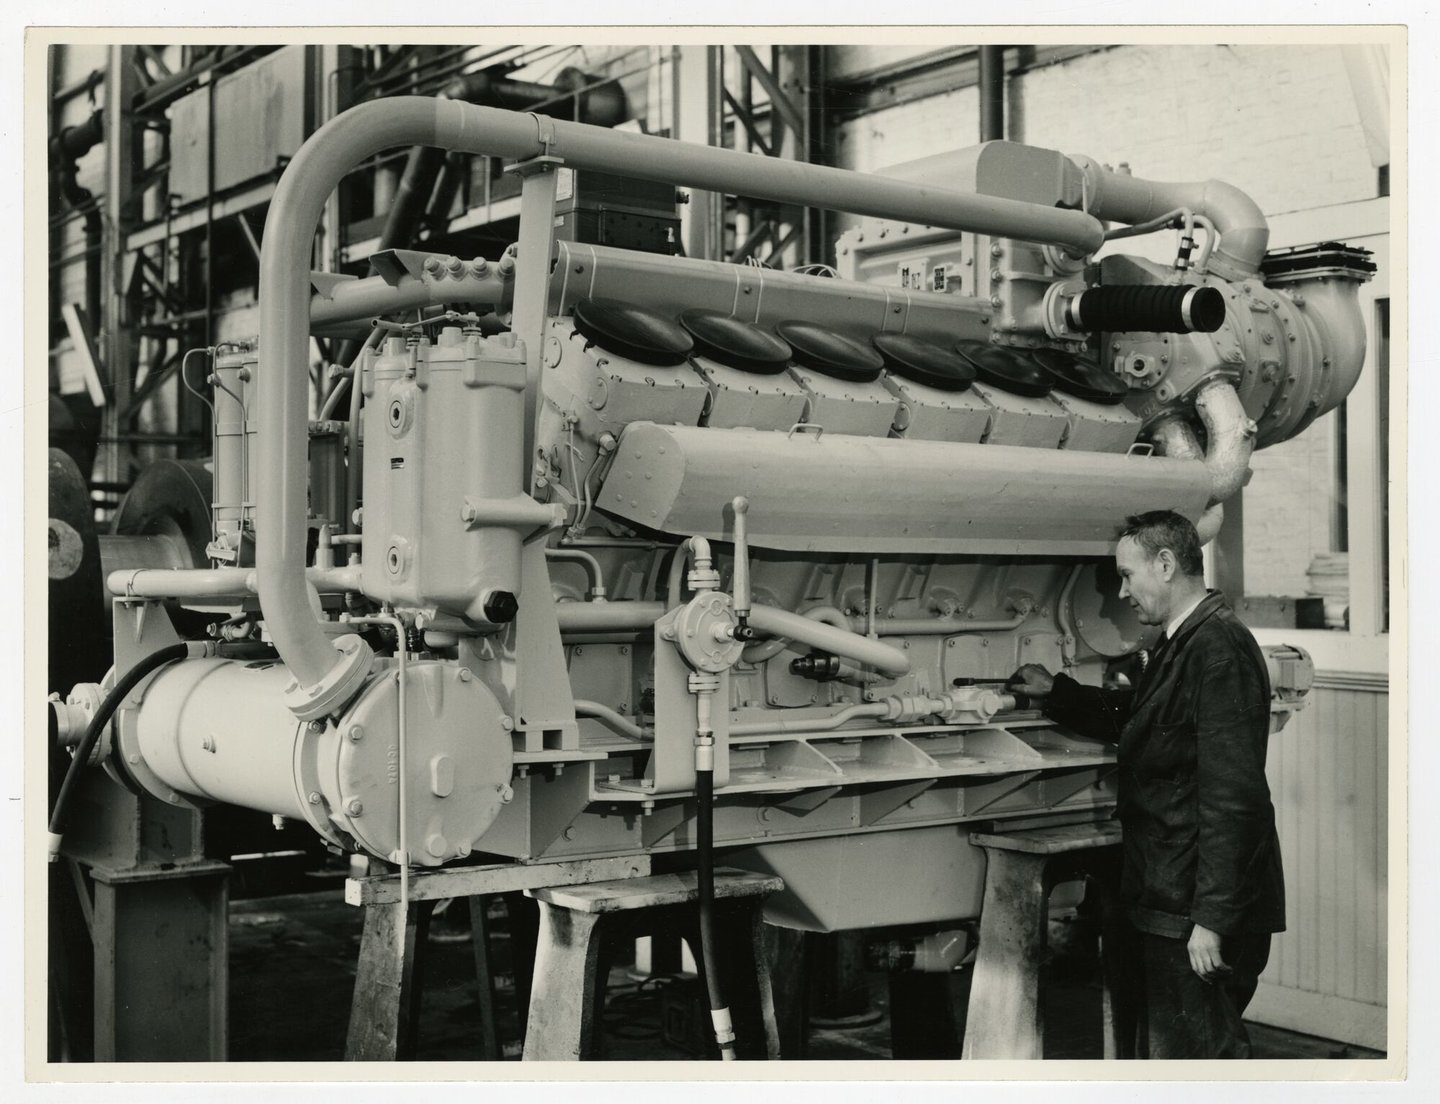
point(292, 971)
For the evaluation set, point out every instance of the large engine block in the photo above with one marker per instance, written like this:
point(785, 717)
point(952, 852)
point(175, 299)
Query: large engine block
point(603, 518)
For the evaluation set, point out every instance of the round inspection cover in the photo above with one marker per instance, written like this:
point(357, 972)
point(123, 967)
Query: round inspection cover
point(831, 354)
point(1081, 377)
point(923, 361)
point(1007, 369)
point(1101, 618)
point(738, 344)
point(632, 331)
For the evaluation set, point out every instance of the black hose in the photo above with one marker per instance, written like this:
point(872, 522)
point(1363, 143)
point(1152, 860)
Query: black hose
point(1148, 308)
point(123, 686)
point(705, 884)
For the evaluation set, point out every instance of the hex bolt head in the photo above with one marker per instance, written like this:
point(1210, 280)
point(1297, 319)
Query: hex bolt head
point(313, 797)
point(501, 607)
point(317, 727)
point(354, 807)
point(465, 675)
point(357, 733)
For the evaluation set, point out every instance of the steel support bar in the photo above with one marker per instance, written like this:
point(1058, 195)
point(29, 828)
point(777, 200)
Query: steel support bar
point(779, 101)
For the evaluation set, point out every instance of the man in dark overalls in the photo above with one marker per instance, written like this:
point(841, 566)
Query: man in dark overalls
point(1201, 881)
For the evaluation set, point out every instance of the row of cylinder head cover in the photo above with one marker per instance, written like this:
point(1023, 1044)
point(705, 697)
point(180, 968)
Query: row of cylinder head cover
point(615, 362)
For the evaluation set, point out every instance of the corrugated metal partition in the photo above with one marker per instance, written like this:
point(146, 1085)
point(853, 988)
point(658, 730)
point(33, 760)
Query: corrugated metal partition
point(1328, 772)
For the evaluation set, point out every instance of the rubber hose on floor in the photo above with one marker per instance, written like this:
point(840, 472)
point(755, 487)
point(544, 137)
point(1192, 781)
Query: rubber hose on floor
point(705, 879)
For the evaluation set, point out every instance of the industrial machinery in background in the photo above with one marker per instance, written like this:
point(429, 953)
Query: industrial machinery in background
point(597, 551)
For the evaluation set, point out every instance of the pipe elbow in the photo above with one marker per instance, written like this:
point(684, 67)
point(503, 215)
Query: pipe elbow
point(1243, 229)
point(1230, 438)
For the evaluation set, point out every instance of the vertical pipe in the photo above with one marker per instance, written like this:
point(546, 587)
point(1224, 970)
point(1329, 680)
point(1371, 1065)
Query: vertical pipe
point(992, 93)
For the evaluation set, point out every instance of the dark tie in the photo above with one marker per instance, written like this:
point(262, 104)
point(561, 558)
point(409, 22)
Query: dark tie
point(1153, 657)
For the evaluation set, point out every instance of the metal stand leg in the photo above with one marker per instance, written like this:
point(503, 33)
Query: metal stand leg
point(1004, 1019)
point(386, 1003)
point(161, 947)
point(562, 998)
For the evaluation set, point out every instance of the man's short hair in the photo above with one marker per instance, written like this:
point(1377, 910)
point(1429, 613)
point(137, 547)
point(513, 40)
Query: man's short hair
point(1159, 529)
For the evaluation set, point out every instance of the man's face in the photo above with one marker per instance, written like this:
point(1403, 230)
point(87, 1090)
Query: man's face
point(1144, 582)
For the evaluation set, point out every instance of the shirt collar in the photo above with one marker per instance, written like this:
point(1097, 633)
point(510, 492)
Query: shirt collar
point(1175, 623)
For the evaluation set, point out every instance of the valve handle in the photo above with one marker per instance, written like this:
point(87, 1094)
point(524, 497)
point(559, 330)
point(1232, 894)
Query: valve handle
point(740, 584)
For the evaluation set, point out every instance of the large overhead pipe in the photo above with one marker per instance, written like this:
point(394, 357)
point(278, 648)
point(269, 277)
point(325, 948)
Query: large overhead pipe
point(575, 94)
point(992, 93)
point(326, 672)
point(1243, 231)
point(66, 148)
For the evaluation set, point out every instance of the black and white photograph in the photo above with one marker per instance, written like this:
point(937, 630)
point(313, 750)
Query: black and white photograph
point(797, 553)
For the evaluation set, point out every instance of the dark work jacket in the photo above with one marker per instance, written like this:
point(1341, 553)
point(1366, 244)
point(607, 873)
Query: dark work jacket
point(1199, 829)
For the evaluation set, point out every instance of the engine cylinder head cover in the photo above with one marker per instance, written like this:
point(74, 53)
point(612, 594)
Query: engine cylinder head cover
point(1082, 377)
point(1007, 369)
point(735, 343)
point(631, 331)
point(914, 358)
point(831, 354)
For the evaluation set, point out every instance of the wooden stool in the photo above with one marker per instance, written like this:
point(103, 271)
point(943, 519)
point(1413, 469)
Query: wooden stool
point(563, 1000)
point(1004, 1018)
point(385, 1007)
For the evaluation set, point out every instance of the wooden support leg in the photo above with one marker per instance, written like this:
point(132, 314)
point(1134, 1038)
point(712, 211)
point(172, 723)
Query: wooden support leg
point(561, 1024)
point(485, 980)
point(1123, 1000)
point(782, 952)
point(386, 1003)
point(758, 967)
point(1004, 1017)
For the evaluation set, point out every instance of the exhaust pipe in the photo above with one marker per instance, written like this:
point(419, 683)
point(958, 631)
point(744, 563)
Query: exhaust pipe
point(1230, 437)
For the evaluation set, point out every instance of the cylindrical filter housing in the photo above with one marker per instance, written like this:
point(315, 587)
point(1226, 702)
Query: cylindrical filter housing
point(445, 509)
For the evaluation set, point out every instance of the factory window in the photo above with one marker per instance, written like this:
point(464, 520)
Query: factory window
point(1296, 554)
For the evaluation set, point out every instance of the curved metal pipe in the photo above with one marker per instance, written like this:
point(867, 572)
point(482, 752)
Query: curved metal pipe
point(609, 717)
point(827, 638)
point(586, 560)
point(1244, 233)
point(1333, 307)
point(365, 130)
point(768, 649)
point(1174, 437)
point(1229, 437)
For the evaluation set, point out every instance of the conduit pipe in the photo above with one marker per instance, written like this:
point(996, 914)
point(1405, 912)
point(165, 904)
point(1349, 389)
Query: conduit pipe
point(325, 674)
point(578, 617)
point(591, 565)
point(894, 626)
point(218, 582)
point(1243, 231)
point(609, 717)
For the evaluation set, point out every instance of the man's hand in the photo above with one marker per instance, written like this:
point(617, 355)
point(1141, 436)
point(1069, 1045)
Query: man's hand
point(1205, 960)
point(1031, 680)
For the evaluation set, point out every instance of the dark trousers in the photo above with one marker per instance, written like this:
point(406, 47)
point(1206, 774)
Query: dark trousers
point(1184, 1016)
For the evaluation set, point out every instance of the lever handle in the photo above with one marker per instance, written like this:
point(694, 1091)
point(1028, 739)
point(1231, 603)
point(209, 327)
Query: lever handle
point(741, 581)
